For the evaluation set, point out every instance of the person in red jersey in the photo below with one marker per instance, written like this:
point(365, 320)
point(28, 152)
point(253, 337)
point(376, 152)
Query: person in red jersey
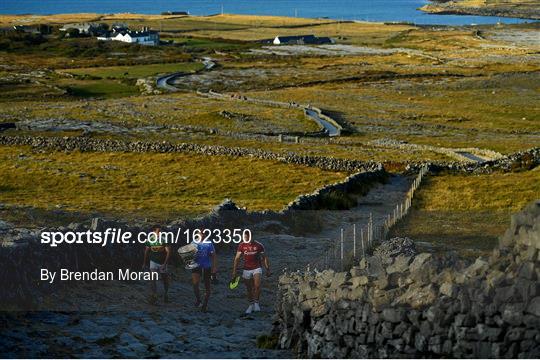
point(254, 259)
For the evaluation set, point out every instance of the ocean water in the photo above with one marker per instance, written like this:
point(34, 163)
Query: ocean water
point(370, 10)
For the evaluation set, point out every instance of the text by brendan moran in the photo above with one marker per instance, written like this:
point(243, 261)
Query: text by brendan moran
point(97, 275)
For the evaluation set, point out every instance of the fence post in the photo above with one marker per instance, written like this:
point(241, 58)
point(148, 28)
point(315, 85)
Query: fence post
point(354, 241)
point(368, 244)
point(369, 236)
point(342, 249)
point(398, 212)
point(371, 229)
point(362, 240)
point(335, 256)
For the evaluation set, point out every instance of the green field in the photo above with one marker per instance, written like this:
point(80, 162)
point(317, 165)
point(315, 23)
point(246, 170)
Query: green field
point(180, 109)
point(468, 213)
point(135, 71)
point(404, 94)
point(101, 89)
point(159, 186)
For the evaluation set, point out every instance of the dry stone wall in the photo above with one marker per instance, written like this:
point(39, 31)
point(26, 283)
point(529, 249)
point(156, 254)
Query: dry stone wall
point(401, 303)
point(21, 249)
point(279, 104)
point(105, 145)
point(309, 201)
point(450, 152)
point(522, 160)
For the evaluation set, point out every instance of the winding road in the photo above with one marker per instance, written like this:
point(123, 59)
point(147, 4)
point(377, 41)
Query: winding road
point(471, 156)
point(330, 129)
point(162, 82)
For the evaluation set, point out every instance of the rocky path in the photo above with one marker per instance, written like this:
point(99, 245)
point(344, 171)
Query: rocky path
point(112, 319)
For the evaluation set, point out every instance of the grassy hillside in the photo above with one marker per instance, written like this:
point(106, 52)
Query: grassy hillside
point(468, 213)
point(160, 186)
point(134, 72)
point(405, 93)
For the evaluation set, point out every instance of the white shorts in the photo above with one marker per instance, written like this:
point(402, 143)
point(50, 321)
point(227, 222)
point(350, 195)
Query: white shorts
point(156, 267)
point(248, 274)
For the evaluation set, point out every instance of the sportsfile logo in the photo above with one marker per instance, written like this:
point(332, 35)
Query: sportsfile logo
point(120, 236)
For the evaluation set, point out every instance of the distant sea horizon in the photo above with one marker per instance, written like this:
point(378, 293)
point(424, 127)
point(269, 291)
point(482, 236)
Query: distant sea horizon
point(364, 10)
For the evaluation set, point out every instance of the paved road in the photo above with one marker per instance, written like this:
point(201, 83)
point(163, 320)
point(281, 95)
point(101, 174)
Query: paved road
point(164, 82)
point(470, 156)
point(330, 129)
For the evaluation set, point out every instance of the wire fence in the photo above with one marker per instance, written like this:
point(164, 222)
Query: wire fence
point(354, 243)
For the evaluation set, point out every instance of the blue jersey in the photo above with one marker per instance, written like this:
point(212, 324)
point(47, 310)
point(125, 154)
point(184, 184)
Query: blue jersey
point(204, 253)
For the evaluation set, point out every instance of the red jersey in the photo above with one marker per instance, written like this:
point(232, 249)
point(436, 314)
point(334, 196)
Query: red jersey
point(252, 254)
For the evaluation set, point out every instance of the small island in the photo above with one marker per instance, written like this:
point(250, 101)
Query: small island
point(525, 9)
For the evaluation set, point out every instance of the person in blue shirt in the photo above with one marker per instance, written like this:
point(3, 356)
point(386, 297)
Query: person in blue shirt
point(206, 260)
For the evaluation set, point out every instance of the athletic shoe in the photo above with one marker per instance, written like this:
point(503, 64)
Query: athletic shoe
point(256, 307)
point(249, 310)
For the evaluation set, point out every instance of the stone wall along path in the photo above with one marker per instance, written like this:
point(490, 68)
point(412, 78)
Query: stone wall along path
point(114, 319)
point(401, 303)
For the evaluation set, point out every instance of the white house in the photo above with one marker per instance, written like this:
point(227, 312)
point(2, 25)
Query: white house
point(143, 37)
point(301, 40)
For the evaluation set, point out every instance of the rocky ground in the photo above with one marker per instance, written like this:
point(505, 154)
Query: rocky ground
point(332, 50)
point(113, 319)
point(517, 9)
point(402, 303)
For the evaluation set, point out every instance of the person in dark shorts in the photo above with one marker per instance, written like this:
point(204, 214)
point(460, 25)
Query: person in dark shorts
point(254, 258)
point(156, 258)
point(206, 260)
